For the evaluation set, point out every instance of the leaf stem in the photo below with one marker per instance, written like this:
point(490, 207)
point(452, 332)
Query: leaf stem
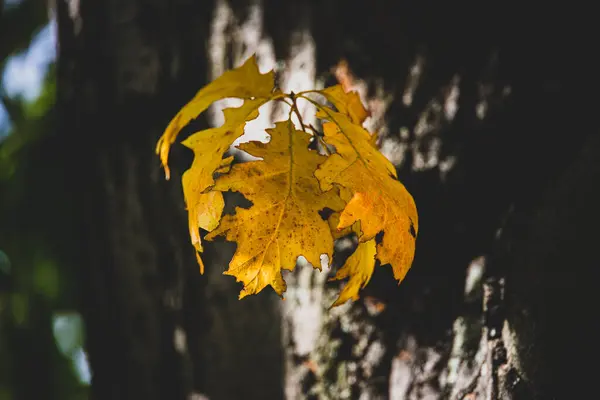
point(297, 111)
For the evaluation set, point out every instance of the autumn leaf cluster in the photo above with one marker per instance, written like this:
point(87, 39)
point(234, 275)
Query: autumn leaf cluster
point(299, 173)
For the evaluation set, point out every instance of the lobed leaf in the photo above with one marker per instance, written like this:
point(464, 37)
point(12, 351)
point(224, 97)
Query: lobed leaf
point(290, 186)
point(245, 82)
point(347, 103)
point(359, 267)
point(284, 221)
point(209, 145)
point(379, 201)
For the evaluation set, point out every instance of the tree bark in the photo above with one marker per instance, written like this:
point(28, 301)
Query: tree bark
point(455, 328)
point(156, 329)
point(124, 69)
point(477, 121)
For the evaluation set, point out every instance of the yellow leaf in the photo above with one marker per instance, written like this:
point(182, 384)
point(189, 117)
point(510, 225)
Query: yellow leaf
point(245, 82)
point(225, 165)
point(347, 103)
point(334, 218)
point(205, 215)
point(379, 201)
point(334, 221)
point(209, 145)
point(209, 210)
point(283, 222)
point(359, 267)
point(200, 263)
point(290, 186)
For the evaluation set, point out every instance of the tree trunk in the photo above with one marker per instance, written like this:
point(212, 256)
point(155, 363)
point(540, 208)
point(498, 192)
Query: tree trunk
point(474, 122)
point(478, 122)
point(155, 327)
point(124, 68)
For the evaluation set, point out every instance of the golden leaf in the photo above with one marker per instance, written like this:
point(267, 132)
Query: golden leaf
point(291, 185)
point(245, 82)
point(359, 267)
point(209, 146)
point(209, 210)
point(204, 209)
point(206, 215)
point(347, 103)
point(225, 165)
point(334, 218)
point(283, 222)
point(380, 202)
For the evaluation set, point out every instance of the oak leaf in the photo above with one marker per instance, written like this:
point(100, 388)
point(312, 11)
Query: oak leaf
point(209, 145)
point(379, 201)
point(348, 103)
point(245, 82)
point(290, 185)
point(359, 267)
point(284, 221)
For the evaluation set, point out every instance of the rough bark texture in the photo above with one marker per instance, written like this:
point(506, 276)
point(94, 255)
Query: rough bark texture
point(490, 137)
point(551, 286)
point(505, 112)
point(120, 66)
point(125, 67)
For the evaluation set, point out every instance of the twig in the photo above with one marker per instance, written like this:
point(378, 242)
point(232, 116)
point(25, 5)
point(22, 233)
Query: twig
point(296, 111)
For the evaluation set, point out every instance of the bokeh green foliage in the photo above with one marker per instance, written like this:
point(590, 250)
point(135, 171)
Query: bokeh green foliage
point(40, 331)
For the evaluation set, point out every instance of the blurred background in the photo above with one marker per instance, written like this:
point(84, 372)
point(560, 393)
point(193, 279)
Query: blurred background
point(487, 111)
